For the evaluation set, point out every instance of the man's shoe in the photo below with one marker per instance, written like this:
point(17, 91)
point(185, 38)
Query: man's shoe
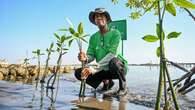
point(122, 92)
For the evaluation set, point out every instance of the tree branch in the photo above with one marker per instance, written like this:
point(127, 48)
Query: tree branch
point(190, 14)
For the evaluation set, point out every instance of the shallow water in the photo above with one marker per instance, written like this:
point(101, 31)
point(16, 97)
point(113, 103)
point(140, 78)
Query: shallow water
point(142, 85)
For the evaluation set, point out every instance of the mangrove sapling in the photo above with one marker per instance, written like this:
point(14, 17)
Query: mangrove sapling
point(26, 63)
point(160, 7)
point(49, 51)
point(79, 37)
point(61, 51)
point(38, 54)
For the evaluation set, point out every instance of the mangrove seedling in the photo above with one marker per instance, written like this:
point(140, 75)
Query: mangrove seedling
point(79, 36)
point(26, 63)
point(49, 51)
point(61, 49)
point(38, 54)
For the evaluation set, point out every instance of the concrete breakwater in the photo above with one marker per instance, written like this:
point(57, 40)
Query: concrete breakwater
point(27, 74)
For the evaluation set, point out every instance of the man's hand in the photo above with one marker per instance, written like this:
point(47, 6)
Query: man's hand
point(82, 56)
point(85, 73)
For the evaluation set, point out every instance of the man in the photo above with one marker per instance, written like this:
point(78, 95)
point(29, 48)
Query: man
point(103, 46)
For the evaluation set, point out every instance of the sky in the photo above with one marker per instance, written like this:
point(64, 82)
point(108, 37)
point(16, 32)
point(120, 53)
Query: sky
point(27, 25)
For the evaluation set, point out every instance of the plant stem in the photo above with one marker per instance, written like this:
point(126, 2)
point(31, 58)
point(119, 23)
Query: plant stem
point(83, 83)
point(55, 71)
point(165, 88)
point(46, 69)
point(39, 66)
point(160, 84)
point(190, 13)
point(163, 67)
point(172, 89)
point(58, 68)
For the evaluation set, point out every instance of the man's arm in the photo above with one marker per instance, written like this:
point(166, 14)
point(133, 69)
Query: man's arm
point(103, 62)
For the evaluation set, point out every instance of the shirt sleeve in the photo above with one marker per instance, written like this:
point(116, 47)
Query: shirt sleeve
point(102, 63)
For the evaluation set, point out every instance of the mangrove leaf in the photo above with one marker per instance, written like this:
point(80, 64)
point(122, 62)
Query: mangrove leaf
point(173, 35)
point(184, 4)
point(150, 38)
point(171, 9)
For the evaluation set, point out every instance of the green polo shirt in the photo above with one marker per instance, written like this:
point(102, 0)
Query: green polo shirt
point(101, 45)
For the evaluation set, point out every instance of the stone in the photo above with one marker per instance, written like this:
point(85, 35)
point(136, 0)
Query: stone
point(1, 76)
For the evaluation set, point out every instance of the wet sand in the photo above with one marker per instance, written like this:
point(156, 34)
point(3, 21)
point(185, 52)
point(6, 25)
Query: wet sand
point(18, 96)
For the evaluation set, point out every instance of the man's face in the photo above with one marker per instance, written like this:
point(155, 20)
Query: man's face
point(100, 20)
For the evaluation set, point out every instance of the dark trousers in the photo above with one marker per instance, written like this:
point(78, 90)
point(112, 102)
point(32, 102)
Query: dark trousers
point(116, 71)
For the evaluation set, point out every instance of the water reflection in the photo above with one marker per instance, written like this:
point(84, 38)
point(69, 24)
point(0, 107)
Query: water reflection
point(42, 93)
point(52, 99)
point(31, 103)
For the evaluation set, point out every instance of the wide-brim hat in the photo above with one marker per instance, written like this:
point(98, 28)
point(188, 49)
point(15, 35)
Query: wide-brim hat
point(99, 10)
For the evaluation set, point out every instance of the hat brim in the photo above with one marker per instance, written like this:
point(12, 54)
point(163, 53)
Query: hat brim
point(92, 16)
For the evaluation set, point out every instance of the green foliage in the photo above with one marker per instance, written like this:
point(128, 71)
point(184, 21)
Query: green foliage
point(184, 4)
point(38, 52)
point(171, 9)
point(58, 37)
point(135, 15)
point(79, 35)
point(50, 49)
point(26, 61)
point(61, 42)
point(151, 6)
point(173, 35)
point(58, 49)
point(70, 42)
point(150, 38)
point(158, 52)
point(158, 32)
point(115, 1)
point(62, 39)
point(71, 30)
point(63, 29)
point(80, 28)
point(140, 7)
point(51, 46)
